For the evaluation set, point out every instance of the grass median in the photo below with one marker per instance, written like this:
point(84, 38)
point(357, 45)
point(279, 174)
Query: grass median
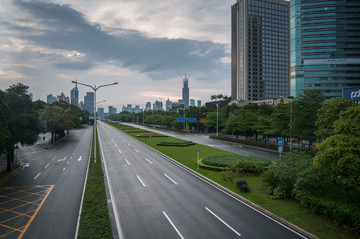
point(94, 220)
point(290, 210)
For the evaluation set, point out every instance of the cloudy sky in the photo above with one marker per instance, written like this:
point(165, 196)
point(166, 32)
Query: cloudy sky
point(146, 45)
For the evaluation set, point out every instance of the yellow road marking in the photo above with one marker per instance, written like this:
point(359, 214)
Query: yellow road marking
point(53, 158)
point(27, 210)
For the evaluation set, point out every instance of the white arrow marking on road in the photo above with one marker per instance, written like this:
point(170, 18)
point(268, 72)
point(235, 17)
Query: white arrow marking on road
point(172, 224)
point(223, 221)
point(61, 159)
point(79, 159)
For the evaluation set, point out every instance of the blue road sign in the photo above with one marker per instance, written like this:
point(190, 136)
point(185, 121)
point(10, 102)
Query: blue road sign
point(191, 120)
point(280, 142)
point(180, 120)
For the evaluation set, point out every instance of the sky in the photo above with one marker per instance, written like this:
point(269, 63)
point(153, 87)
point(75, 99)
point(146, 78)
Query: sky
point(146, 46)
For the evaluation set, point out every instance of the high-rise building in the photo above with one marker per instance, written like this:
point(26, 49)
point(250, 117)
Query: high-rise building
point(259, 49)
point(325, 50)
point(50, 99)
point(62, 97)
point(148, 106)
point(192, 102)
point(74, 96)
point(158, 105)
point(168, 105)
point(100, 111)
point(112, 110)
point(89, 102)
point(199, 103)
point(185, 92)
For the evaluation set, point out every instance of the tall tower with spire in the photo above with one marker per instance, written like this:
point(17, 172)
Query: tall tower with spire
point(185, 92)
point(74, 93)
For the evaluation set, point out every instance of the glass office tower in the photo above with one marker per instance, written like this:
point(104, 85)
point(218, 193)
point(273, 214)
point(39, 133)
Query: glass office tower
point(325, 45)
point(259, 49)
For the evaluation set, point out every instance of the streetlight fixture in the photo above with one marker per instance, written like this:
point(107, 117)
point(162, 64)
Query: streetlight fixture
point(95, 88)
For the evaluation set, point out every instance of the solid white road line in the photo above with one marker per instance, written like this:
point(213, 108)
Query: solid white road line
point(140, 180)
point(148, 161)
point(172, 224)
point(170, 179)
point(127, 162)
point(223, 222)
point(37, 175)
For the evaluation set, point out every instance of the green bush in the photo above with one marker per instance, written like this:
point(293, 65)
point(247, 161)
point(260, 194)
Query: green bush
point(228, 160)
point(178, 144)
point(341, 212)
point(280, 178)
point(152, 135)
point(247, 167)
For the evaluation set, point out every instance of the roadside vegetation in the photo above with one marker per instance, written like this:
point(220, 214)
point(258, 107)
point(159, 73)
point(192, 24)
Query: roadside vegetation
point(21, 119)
point(279, 187)
point(94, 220)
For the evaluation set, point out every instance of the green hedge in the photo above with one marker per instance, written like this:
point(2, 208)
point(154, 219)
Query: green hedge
point(209, 167)
point(177, 144)
point(152, 135)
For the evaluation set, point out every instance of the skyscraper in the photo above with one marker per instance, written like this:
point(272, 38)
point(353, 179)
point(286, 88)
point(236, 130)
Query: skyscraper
point(89, 102)
point(112, 110)
point(50, 99)
point(74, 94)
point(259, 49)
point(325, 50)
point(185, 92)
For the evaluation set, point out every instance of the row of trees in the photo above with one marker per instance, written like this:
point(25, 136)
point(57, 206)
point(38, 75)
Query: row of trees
point(298, 119)
point(20, 119)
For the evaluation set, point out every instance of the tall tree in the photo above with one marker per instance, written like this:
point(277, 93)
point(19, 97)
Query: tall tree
point(4, 115)
point(339, 154)
point(304, 109)
point(328, 114)
point(58, 119)
point(23, 120)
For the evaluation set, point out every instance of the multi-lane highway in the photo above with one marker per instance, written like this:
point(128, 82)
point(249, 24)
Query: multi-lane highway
point(154, 198)
point(43, 200)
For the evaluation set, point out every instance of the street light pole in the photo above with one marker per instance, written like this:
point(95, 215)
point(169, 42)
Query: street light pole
point(217, 119)
point(94, 89)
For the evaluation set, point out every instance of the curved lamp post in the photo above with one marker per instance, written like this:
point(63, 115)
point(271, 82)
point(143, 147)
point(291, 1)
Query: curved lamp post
point(95, 88)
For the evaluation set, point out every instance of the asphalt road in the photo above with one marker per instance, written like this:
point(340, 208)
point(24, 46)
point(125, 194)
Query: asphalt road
point(154, 198)
point(202, 138)
point(53, 180)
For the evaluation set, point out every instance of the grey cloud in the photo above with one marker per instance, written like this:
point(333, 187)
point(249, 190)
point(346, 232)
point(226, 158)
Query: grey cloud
point(68, 29)
point(81, 66)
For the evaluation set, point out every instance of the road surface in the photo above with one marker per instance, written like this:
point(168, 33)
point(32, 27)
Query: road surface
point(154, 198)
point(43, 200)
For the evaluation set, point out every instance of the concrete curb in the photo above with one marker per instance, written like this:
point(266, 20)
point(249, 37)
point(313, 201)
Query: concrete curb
point(11, 174)
point(51, 145)
point(245, 201)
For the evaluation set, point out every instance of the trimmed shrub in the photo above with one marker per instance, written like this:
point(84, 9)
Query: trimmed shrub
point(244, 188)
point(152, 135)
point(240, 182)
point(177, 144)
point(228, 175)
point(247, 167)
point(228, 160)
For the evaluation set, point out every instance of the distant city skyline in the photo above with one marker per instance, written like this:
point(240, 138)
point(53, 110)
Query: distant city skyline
point(102, 42)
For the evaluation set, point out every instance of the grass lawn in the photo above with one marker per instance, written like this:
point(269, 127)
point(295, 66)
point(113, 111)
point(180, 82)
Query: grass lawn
point(288, 209)
point(94, 221)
